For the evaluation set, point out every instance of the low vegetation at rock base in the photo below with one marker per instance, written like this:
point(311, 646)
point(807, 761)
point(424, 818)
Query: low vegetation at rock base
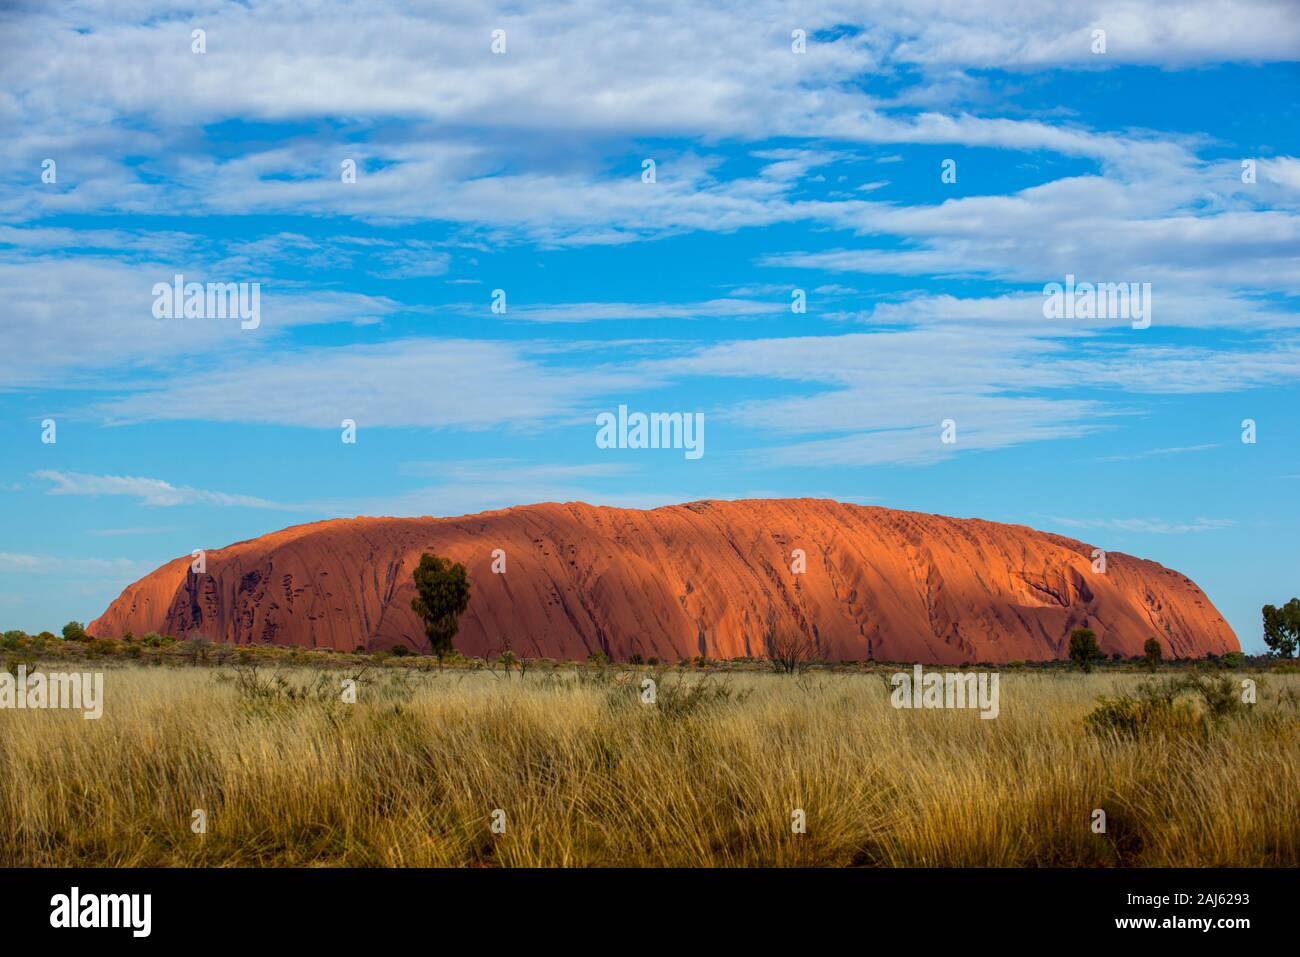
point(287, 772)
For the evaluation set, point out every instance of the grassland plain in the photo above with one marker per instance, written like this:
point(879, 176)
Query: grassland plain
point(288, 773)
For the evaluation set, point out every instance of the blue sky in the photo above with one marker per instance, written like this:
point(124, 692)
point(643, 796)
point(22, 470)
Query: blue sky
point(522, 171)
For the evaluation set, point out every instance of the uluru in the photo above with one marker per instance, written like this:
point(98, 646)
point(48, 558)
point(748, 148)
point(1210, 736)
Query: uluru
point(704, 578)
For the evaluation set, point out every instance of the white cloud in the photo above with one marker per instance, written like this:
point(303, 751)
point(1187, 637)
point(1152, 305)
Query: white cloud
point(1092, 227)
point(1285, 171)
point(1187, 370)
point(432, 383)
point(65, 314)
point(881, 397)
point(574, 312)
point(114, 568)
point(858, 398)
point(1148, 526)
point(1156, 453)
point(462, 488)
point(443, 130)
point(462, 119)
point(1179, 305)
point(149, 491)
point(1048, 35)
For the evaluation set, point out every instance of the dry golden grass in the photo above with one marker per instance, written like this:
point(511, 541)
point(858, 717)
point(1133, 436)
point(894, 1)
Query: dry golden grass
point(587, 775)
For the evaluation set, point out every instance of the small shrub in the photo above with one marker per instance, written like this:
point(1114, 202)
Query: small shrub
point(789, 652)
point(13, 662)
point(1083, 647)
point(1186, 704)
point(1220, 694)
point(677, 698)
point(1152, 653)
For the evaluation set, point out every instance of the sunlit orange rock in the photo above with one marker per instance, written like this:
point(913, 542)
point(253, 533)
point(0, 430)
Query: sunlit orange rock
point(684, 580)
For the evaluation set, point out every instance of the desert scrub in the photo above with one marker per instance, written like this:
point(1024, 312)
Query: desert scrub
point(1187, 704)
point(671, 697)
point(587, 775)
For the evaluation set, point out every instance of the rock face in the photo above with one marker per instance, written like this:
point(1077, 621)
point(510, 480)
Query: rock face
point(684, 580)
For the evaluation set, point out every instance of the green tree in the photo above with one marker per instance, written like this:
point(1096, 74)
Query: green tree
point(442, 596)
point(1083, 647)
point(75, 631)
point(1152, 652)
point(1282, 629)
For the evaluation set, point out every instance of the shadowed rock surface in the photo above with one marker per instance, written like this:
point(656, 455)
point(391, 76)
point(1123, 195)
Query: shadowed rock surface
point(684, 580)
